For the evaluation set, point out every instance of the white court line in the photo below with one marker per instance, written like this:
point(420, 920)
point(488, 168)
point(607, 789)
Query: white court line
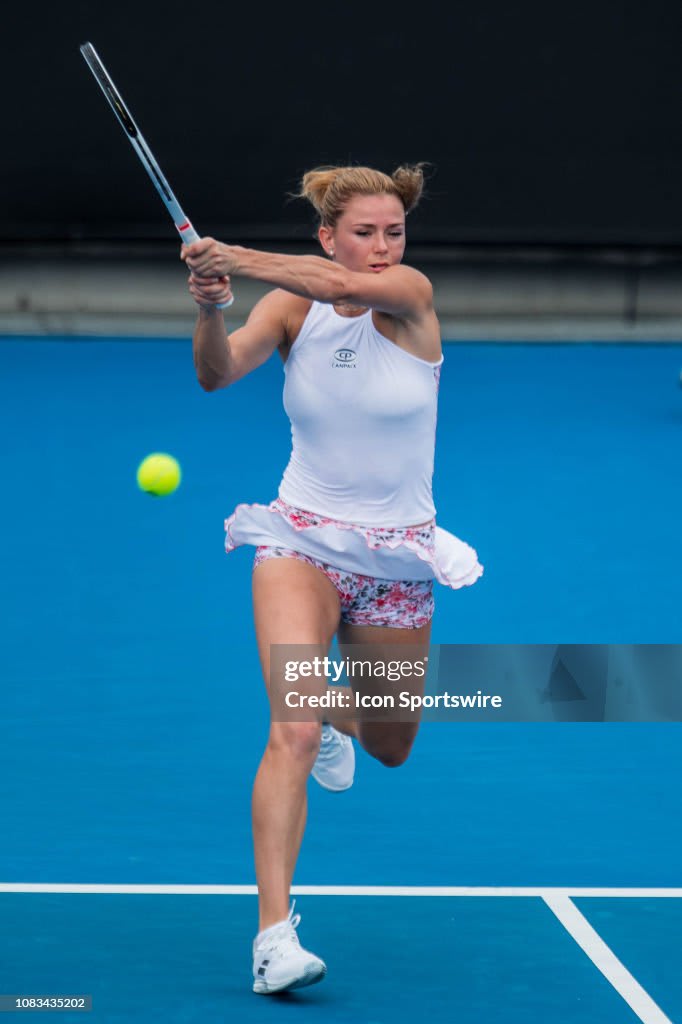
point(606, 961)
point(340, 890)
point(557, 899)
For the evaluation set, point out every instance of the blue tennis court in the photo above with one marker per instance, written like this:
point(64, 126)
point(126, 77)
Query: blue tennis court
point(134, 715)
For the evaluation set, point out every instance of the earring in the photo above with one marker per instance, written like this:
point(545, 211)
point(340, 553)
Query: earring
point(331, 253)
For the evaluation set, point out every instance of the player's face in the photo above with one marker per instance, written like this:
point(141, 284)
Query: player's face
point(369, 235)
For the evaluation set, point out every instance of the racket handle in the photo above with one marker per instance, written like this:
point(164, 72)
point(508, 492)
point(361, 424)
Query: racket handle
point(189, 235)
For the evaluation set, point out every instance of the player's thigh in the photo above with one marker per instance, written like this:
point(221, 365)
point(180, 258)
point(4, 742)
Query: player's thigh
point(293, 603)
point(400, 653)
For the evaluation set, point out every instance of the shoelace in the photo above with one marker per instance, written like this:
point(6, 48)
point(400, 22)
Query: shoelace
point(329, 743)
point(285, 935)
point(294, 919)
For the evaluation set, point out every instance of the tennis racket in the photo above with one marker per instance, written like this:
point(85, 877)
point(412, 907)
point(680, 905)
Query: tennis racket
point(136, 139)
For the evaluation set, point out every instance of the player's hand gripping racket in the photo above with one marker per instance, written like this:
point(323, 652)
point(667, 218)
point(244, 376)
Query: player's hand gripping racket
point(180, 219)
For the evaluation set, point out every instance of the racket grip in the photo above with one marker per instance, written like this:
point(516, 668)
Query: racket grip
point(189, 235)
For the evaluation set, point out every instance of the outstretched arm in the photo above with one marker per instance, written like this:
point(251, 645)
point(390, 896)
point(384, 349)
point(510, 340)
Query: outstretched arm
point(399, 290)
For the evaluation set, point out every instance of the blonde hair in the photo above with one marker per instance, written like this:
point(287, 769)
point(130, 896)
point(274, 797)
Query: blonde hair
point(330, 188)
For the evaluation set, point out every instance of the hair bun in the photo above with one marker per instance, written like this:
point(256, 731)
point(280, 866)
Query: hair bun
point(330, 188)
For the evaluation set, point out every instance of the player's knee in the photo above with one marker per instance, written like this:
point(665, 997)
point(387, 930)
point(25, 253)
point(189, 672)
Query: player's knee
point(393, 755)
point(394, 758)
point(298, 740)
point(389, 745)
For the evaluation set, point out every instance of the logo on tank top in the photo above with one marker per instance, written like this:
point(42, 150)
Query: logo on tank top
point(344, 359)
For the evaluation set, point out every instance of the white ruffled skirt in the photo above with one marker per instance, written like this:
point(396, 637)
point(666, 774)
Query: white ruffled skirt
point(403, 553)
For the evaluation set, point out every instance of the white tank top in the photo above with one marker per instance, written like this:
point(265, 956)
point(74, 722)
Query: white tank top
point(363, 423)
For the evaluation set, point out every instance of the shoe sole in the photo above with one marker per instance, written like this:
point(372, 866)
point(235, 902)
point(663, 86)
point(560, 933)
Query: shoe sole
point(332, 789)
point(310, 977)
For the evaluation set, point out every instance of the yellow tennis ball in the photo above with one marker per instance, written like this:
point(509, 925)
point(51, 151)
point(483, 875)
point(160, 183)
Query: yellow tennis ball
point(159, 474)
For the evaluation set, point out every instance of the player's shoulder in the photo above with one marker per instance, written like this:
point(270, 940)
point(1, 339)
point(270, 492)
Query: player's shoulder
point(283, 304)
point(280, 298)
point(278, 304)
point(291, 309)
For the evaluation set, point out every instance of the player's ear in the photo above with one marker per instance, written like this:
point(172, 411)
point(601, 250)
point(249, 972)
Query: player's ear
point(326, 241)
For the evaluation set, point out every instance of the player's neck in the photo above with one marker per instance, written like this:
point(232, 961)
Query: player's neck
point(348, 309)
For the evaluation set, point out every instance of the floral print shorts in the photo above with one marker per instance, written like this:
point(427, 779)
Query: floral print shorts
point(365, 600)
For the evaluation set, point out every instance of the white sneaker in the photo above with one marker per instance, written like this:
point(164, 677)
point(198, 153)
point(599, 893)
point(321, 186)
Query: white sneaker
point(279, 962)
point(334, 767)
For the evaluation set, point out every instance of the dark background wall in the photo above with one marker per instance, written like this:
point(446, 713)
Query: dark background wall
point(545, 123)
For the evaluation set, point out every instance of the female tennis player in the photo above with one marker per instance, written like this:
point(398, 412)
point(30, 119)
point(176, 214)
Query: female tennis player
point(349, 546)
